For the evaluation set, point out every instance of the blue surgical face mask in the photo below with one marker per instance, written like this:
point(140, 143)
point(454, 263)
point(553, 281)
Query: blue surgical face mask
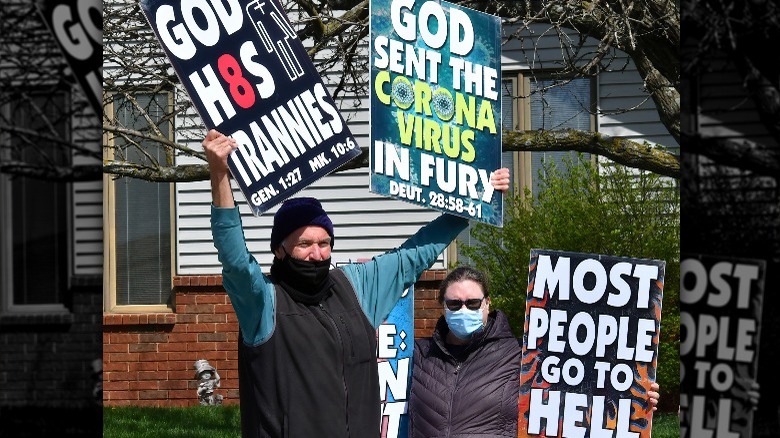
point(464, 322)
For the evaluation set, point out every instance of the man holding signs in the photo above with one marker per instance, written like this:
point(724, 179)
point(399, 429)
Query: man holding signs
point(307, 347)
point(590, 345)
point(307, 351)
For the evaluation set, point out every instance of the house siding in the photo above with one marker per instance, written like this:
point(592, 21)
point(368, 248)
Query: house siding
point(619, 91)
point(87, 201)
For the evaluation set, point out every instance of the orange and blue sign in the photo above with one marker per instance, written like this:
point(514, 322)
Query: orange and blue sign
point(590, 345)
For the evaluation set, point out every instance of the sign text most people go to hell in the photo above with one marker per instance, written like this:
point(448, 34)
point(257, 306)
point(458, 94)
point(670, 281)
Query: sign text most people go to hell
point(590, 345)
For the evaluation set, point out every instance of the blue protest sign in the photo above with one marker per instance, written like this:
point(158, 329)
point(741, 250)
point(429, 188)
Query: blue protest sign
point(436, 107)
point(395, 348)
point(249, 76)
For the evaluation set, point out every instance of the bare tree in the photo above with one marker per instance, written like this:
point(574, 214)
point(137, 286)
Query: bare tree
point(336, 34)
point(737, 34)
point(36, 103)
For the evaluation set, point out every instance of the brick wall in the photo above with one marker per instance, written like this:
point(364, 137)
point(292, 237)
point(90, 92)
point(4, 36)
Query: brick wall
point(427, 309)
point(46, 359)
point(149, 358)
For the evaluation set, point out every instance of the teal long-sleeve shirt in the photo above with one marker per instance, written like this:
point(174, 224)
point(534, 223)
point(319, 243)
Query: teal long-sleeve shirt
point(378, 283)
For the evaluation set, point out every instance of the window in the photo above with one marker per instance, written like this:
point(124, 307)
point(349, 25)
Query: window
point(34, 236)
point(140, 237)
point(542, 102)
point(539, 102)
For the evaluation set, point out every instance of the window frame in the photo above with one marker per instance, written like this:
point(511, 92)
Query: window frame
point(7, 304)
point(110, 304)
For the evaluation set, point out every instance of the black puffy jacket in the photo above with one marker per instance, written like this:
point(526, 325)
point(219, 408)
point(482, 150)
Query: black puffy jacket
point(475, 397)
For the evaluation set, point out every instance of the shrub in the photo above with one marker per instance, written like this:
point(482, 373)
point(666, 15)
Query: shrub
point(613, 210)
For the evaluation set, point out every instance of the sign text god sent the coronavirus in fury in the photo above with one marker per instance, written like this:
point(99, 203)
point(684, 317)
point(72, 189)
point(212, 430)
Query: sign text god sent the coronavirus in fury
point(440, 103)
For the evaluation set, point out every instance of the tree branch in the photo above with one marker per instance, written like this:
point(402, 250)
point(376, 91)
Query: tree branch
point(622, 151)
point(161, 140)
point(78, 173)
point(741, 153)
point(626, 152)
point(180, 173)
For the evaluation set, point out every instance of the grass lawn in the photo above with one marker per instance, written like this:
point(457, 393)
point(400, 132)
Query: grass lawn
point(224, 421)
point(190, 422)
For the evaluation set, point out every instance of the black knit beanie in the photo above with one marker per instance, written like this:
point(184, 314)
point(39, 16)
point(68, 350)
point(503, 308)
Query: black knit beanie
point(296, 213)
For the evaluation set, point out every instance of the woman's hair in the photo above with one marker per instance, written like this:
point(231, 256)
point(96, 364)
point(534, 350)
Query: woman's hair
point(462, 273)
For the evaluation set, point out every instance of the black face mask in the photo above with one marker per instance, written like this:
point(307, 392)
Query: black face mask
point(306, 282)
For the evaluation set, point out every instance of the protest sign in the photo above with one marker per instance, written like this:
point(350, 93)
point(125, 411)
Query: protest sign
point(395, 347)
point(77, 26)
point(720, 322)
point(590, 345)
point(435, 106)
point(249, 76)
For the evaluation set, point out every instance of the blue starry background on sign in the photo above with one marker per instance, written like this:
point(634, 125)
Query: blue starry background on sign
point(386, 120)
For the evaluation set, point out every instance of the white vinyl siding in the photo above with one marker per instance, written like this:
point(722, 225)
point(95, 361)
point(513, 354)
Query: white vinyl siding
point(619, 91)
point(87, 211)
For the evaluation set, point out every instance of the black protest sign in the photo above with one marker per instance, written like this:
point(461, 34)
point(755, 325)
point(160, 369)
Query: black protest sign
point(720, 322)
point(590, 344)
point(249, 77)
point(77, 26)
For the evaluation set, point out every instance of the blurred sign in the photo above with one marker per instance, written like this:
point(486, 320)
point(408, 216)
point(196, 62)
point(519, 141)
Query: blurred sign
point(77, 26)
point(395, 348)
point(720, 322)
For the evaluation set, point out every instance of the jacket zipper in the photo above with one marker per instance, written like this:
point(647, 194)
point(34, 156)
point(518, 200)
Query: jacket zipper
point(343, 381)
point(452, 396)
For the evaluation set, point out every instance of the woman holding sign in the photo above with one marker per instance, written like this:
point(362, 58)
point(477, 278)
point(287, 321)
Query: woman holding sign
point(466, 377)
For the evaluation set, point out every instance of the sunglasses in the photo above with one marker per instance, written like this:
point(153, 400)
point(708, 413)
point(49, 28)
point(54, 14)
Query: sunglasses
point(471, 304)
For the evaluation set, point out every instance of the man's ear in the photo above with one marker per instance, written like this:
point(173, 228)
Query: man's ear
point(279, 251)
